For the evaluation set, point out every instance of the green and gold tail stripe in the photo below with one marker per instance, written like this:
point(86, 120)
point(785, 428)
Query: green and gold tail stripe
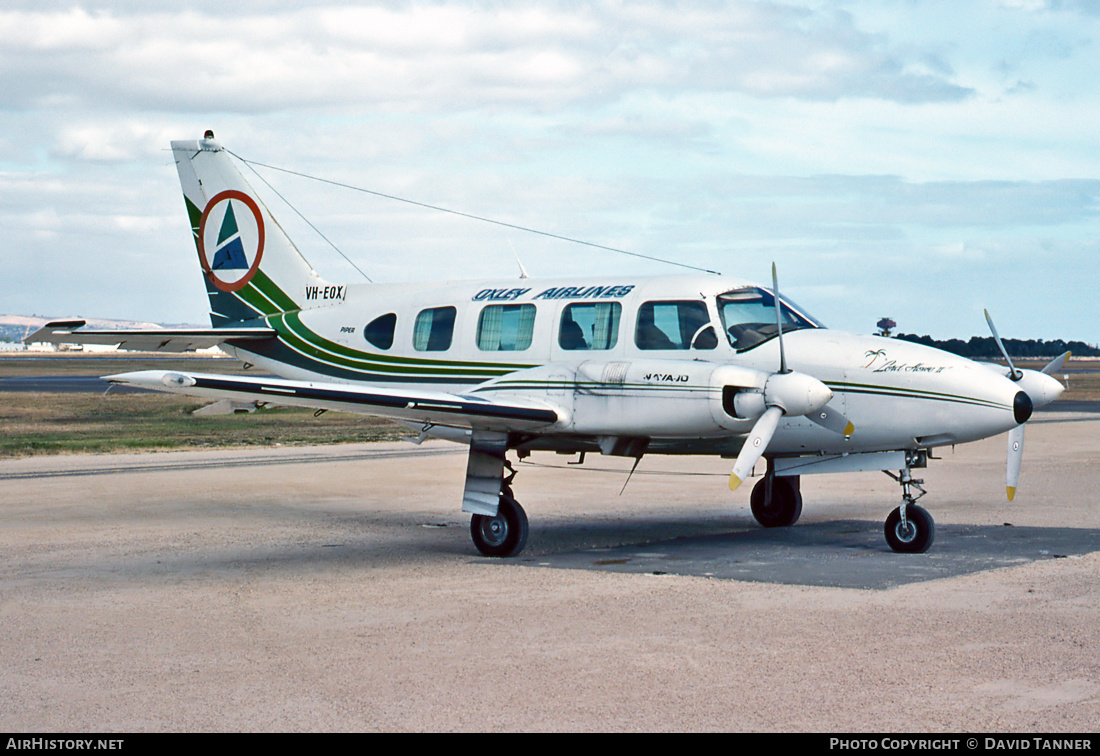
point(264, 295)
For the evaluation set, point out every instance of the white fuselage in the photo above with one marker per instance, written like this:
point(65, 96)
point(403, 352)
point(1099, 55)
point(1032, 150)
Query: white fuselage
point(899, 395)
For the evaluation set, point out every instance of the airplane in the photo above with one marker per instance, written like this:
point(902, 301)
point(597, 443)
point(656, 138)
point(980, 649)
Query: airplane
point(620, 365)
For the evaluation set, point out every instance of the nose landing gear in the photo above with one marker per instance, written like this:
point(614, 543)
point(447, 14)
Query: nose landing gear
point(910, 529)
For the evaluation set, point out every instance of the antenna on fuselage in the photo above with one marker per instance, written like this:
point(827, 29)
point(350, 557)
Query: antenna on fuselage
point(522, 270)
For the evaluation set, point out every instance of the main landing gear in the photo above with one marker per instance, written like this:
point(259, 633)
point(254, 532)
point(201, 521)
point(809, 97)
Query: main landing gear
point(499, 524)
point(910, 529)
point(776, 502)
point(505, 534)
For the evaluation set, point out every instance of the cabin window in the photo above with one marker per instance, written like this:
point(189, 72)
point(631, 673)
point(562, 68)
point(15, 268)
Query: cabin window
point(379, 331)
point(674, 325)
point(592, 325)
point(433, 329)
point(506, 328)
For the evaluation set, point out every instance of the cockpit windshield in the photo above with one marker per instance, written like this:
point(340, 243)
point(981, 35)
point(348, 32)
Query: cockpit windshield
point(748, 317)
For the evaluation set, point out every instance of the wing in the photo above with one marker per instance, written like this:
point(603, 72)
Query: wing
point(436, 408)
point(160, 340)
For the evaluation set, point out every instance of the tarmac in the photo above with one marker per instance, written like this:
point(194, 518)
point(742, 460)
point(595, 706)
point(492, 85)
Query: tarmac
point(337, 589)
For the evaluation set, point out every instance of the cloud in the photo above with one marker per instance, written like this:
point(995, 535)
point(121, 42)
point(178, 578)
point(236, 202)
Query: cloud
point(448, 56)
point(854, 143)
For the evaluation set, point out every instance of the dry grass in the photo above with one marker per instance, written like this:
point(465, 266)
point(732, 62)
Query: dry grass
point(79, 423)
point(68, 423)
point(57, 423)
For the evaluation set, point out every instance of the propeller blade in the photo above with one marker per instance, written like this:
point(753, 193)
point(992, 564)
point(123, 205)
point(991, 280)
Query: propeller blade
point(755, 445)
point(1015, 456)
point(778, 320)
point(1013, 373)
point(829, 418)
point(1057, 363)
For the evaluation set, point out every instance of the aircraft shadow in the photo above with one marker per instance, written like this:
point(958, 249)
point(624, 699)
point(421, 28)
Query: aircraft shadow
point(839, 554)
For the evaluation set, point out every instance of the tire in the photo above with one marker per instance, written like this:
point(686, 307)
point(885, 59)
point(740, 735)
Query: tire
point(504, 535)
point(917, 537)
point(785, 506)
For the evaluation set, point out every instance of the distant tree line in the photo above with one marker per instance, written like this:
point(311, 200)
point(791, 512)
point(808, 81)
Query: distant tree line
point(984, 347)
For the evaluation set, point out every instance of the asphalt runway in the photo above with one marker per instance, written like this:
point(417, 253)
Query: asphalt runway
point(336, 589)
point(64, 384)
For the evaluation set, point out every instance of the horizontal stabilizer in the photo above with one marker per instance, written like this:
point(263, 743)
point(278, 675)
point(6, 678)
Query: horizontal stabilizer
point(159, 340)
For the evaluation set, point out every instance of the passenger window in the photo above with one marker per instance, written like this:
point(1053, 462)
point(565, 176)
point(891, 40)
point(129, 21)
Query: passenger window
point(379, 331)
point(590, 326)
point(433, 329)
point(673, 325)
point(506, 328)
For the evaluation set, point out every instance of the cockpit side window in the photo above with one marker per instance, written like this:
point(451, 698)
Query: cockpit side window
point(748, 317)
point(674, 325)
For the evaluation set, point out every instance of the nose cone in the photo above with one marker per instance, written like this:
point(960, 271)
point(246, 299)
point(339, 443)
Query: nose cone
point(1040, 387)
point(1022, 407)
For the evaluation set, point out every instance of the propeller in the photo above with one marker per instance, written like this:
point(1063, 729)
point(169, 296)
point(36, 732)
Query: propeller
point(1037, 389)
point(1016, 435)
point(1015, 456)
point(1013, 373)
point(785, 393)
point(1056, 364)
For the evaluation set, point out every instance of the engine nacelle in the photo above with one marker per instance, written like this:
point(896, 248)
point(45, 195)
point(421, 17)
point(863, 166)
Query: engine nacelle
point(650, 398)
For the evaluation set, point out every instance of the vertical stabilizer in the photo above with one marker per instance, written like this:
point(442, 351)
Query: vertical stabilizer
point(250, 266)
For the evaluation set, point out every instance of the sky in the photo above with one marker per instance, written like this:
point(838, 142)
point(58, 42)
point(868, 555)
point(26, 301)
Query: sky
point(921, 161)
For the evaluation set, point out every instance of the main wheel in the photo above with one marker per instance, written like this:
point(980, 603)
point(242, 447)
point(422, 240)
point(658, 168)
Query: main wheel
point(917, 534)
point(783, 508)
point(504, 535)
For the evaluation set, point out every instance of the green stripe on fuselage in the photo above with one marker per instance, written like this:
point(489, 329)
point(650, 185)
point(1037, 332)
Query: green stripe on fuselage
point(863, 388)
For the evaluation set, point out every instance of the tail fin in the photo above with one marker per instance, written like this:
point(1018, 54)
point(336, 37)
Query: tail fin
point(250, 266)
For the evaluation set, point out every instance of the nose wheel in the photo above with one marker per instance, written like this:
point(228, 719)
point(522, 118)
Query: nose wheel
point(910, 529)
point(911, 532)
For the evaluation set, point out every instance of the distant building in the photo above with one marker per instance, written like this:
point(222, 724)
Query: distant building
point(885, 326)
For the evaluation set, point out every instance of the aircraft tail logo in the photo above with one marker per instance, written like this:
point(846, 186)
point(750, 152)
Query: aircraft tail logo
point(231, 226)
point(234, 232)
